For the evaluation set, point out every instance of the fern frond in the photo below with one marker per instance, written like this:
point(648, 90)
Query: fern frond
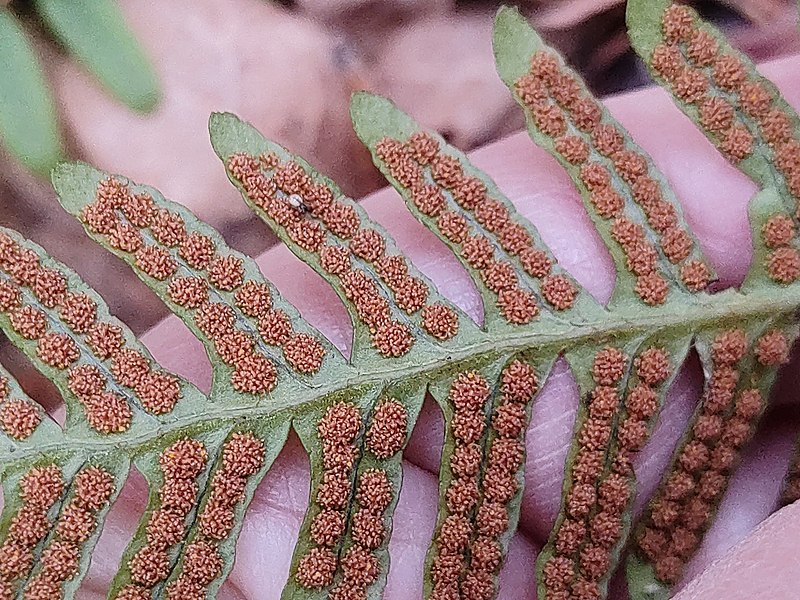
point(739, 111)
point(396, 310)
point(629, 200)
point(257, 340)
point(272, 372)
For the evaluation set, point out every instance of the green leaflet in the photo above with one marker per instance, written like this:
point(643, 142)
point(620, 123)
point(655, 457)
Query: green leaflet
point(189, 400)
point(515, 44)
point(231, 136)
point(203, 457)
point(740, 112)
point(762, 206)
point(451, 474)
point(273, 430)
point(307, 431)
point(96, 34)
point(645, 577)
point(411, 396)
point(70, 463)
point(76, 184)
point(616, 456)
point(374, 119)
point(644, 23)
point(28, 124)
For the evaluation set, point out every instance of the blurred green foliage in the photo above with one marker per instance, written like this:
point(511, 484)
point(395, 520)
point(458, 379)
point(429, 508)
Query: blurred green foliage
point(94, 33)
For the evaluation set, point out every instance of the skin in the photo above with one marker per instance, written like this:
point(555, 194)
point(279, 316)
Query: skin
point(744, 555)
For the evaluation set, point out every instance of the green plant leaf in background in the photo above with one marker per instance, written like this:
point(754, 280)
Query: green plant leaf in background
point(94, 32)
point(28, 123)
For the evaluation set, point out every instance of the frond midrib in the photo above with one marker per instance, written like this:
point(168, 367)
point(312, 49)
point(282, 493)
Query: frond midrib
point(687, 320)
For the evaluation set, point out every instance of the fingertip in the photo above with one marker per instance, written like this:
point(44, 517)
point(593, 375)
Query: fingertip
point(752, 494)
point(518, 574)
point(765, 564)
point(547, 443)
point(272, 525)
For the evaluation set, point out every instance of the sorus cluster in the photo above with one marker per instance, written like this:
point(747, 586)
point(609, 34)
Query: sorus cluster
point(19, 417)
point(198, 276)
point(505, 458)
point(181, 463)
point(719, 85)
point(591, 529)
point(468, 548)
point(612, 173)
point(360, 566)
point(476, 223)
point(242, 457)
point(682, 508)
point(783, 260)
point(39, 490)
point(60, 559)
point(468, 395)
point(387, 431)
point(106, 411)
point(331, 229)
point(337, 430)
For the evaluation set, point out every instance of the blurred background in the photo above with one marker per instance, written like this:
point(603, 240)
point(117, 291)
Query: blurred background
point(128, 86)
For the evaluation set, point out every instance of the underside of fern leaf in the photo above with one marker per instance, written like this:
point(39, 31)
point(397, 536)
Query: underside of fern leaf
point(203, 455)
